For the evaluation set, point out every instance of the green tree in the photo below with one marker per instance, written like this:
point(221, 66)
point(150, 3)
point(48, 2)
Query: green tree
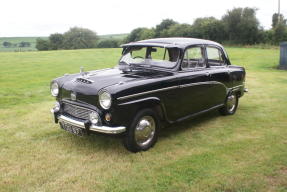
point(42, 45)
point(178, 30)
point(280, 33)
point(134, 35)
point(160, 29)
point(208, 28)
point(147, 33)
point(140, 34)
point(241, 25)
point(266, 36)
point(79, 38)
point(24, 44)
point(275, 18)
point(56, 41)
point(7, 44)
point(108, 43)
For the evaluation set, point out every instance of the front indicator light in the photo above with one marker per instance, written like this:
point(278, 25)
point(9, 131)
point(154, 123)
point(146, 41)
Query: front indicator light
point(94, 118)
point(56, 107)
point(108, 117)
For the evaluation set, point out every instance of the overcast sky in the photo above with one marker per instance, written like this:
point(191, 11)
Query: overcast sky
point(43, 17)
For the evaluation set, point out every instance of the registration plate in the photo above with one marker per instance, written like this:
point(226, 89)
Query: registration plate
point(73, 129)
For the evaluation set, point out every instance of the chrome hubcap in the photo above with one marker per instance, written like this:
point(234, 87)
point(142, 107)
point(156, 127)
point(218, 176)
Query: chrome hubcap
point(145, 131)
point(231, 103)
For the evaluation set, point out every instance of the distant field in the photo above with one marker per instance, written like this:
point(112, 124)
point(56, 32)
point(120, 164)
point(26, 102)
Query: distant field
point(244, 152)
point(32, 41)
point(114, 36)
point(17, 40)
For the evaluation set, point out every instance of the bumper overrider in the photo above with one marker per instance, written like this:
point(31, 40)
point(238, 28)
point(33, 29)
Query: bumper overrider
point(86, 125)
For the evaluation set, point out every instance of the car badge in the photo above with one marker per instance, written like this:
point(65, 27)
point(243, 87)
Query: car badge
point(73, 96)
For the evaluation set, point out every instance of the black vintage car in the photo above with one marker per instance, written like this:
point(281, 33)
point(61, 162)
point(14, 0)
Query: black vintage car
point(157, 82)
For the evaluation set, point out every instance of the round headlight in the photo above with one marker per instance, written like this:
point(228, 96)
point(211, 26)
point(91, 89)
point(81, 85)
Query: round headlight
point(105, 100)
point(54, 89)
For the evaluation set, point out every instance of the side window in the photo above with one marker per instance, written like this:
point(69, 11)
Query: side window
point(193, 57)
point(215, 56)
point(160, 54)
point(139, 53)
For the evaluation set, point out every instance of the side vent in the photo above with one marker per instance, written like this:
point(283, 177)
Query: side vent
point(84, 80)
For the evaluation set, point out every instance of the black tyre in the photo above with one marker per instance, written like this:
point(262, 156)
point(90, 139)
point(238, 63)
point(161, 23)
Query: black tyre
point(143, 131)
point(231, 104)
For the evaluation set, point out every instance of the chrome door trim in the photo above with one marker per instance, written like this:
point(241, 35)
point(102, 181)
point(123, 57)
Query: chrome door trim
point(236, 87)
point(180, 86)
point(147, 92)
point(202, 83)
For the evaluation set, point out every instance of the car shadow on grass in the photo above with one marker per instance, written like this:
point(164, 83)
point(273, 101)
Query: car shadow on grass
point(113, 144)
point(189, 124)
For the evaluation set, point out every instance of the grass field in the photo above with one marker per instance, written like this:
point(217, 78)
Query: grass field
point(243, 152)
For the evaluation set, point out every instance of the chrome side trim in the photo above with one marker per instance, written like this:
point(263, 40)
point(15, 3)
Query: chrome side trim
point(236, 87)
point(203, 83)
point(147, 92)
point(101, 129)
point(180, 86)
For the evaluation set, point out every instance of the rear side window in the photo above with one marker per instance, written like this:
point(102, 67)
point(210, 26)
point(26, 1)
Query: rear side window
point(193, 58)
point(160, 54)
point(215, 56)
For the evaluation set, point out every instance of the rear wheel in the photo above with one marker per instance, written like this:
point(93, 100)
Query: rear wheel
point(230, 105)
point(142, 134)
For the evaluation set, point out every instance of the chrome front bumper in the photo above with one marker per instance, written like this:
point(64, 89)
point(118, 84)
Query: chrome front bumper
point(95, 128)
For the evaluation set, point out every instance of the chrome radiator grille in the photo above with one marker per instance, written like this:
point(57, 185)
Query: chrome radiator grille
point(76, 111)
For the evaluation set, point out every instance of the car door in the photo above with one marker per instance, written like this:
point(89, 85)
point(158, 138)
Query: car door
point(219, 74)
point(194, 82)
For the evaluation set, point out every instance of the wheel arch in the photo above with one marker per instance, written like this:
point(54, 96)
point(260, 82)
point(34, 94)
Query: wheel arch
point(153, 103)
point(239, 92)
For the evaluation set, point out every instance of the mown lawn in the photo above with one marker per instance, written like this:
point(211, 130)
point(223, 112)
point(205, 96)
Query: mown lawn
point(244, 152)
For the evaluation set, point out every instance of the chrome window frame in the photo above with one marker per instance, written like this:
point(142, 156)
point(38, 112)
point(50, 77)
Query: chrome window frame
point(196, 67)
point(224, 61)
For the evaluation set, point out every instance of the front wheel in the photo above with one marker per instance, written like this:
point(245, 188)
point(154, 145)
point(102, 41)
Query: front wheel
point(142, 134)
point(230, 105)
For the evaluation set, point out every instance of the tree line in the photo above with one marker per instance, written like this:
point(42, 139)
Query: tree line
point(75, 38)
point(237, 26)
point(8, 44)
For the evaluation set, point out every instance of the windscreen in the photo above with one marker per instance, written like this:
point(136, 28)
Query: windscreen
point(151, 56)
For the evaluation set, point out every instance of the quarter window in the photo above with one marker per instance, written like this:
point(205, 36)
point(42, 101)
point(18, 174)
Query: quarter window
point(193, 57)
point(215, 56)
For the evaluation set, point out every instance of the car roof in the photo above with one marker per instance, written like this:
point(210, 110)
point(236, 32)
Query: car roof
point(173, 42)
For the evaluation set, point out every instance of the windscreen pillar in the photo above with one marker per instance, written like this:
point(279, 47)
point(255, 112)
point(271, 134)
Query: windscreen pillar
point(283, 56)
